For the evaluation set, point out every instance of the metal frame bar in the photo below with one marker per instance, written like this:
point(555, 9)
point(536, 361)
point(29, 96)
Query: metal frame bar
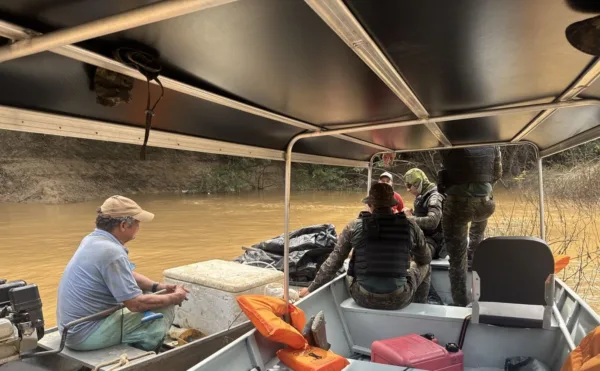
point(502, 144)
point(563, 327)
point(476, 293)
point(152, 13)
point(45, 123)
point(482, 113)
point(579, 139)
point(583, 82)
point(549, 295)
point(341, 20)
point(455, 117)
point(541, 199)
point(16, 32)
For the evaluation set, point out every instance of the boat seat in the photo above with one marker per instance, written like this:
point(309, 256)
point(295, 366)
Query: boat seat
point(513, 282)
point(413, 310)
point(91, 359)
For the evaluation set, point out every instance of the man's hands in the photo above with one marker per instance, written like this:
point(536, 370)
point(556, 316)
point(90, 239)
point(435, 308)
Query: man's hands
point(304, 292)
point(170, 288)
point(407, 211)
point(178, 293)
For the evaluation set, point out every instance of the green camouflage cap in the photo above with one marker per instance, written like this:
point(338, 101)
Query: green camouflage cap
point(415, 176)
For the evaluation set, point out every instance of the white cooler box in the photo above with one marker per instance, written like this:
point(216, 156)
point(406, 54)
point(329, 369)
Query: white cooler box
point(211, 306)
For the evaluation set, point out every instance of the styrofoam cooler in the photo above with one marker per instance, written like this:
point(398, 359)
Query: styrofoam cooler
point(417, 352)
point(214, 284)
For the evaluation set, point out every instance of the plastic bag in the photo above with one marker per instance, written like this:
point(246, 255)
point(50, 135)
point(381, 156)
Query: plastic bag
point(276, 289)
point(309, 248)
point(524, 364)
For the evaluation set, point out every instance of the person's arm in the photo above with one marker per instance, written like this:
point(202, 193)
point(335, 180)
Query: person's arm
point(420, 252)
point(142, 281)
point(400, 205)
point(146, 283)
point(434, 214)
point(145, 302)
point(497, 165)
point(335, 260)
point(120, 280)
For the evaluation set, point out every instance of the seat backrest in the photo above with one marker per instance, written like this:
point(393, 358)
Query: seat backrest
point(513, 270)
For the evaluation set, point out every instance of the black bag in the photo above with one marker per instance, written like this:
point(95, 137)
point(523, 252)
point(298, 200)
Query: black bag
point(524, 364)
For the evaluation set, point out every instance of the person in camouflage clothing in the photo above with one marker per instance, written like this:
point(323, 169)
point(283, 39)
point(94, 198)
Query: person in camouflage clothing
point(467, 179)
point(427, 212)
point(389, 267)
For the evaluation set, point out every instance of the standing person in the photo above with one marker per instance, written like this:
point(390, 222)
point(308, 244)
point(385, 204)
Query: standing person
point(387, 179)
point(382, 274)
point(467, 179)
point(427, 211)
point(100, 276)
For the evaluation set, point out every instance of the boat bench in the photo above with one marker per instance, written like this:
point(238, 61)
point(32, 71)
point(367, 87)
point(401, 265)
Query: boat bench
point(415, 318)
point(91, 359)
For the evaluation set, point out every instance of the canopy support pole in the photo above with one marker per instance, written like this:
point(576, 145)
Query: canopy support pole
point(369, 177)
point(370, 174)
point(541, 195)
point(286, 223)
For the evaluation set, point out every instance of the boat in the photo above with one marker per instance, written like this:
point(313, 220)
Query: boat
point(331, 82)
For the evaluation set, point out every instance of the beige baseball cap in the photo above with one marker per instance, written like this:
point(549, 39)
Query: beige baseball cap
point(119, 206)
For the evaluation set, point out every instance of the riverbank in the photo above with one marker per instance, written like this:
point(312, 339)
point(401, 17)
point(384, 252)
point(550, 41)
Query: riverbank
point(47, 169)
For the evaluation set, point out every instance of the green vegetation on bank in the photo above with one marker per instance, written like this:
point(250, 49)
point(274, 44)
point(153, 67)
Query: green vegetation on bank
point(50, 169)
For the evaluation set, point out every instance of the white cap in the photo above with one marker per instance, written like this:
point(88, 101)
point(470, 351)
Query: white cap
point(386, 174)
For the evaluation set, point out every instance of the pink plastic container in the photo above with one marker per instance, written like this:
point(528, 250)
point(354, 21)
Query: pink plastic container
point(415, 351)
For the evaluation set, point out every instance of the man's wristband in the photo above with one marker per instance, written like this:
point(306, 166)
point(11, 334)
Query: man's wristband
point(155, 286)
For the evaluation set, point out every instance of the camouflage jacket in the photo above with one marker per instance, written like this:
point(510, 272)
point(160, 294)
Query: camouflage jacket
point(432, 220)
point(420, 253)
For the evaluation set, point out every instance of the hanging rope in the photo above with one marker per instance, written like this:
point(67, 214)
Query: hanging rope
point(148, 66)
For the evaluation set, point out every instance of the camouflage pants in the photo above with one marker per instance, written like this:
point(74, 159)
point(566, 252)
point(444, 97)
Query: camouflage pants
point(415, 290)
point(438, 248)
point(457, 214)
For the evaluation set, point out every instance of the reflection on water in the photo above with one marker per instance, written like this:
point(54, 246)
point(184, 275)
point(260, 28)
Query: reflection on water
point(38, 240)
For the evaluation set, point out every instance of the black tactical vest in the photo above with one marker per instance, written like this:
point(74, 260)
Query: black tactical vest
point(421, 209)
point(469, 165)
point(383, 246)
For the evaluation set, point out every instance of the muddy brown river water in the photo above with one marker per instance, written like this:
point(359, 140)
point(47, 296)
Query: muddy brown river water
point(38, 240)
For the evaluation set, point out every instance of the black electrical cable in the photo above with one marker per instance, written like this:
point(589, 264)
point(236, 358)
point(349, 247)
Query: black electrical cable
point(148, 66)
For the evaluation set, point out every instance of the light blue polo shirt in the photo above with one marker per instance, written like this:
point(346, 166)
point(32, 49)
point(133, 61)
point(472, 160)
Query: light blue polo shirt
point(99, 276)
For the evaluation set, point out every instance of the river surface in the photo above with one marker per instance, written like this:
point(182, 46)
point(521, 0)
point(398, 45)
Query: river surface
point(38, 240)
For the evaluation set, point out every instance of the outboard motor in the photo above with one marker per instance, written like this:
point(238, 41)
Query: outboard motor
point(21, 319)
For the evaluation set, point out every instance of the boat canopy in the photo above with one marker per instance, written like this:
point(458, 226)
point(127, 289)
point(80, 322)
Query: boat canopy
point(357, 77)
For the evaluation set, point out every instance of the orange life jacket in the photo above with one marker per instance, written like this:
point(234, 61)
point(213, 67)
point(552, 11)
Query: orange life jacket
point(560, 262)
point(586, 357)
point(265, 313)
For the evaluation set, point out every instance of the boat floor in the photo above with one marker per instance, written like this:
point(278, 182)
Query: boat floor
point(366, 365)
point(91, 359)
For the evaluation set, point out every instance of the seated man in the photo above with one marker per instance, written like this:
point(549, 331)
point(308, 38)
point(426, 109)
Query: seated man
point(381, 273)
point(428, 210)
point(387, 178)
point(99, 276)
